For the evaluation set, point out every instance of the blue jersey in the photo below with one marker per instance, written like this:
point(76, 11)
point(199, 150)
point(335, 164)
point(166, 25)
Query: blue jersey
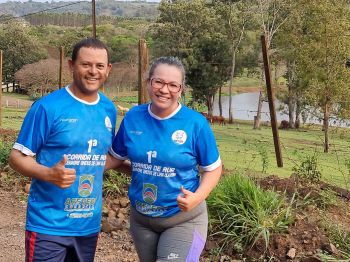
point(59, 124)
point(165, 154)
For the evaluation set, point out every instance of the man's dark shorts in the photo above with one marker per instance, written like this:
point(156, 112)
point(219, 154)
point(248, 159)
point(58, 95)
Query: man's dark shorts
point(41, 247)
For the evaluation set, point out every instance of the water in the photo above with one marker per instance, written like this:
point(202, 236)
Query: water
point(245, 105)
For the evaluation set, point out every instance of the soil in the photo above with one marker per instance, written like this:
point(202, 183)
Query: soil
point(304, 237)
point(302, 241)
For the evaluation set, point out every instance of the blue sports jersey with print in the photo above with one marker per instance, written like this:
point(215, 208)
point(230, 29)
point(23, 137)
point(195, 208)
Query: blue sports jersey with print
point(59, 124)
point(165, 154)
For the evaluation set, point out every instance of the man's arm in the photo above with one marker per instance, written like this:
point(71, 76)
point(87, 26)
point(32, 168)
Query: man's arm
point(122, 166)
point(58, 175)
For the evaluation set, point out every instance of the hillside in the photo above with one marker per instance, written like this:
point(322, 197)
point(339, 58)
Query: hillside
point(139, 9)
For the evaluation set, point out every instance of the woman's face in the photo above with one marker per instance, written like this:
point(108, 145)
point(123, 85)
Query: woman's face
point(164, 89)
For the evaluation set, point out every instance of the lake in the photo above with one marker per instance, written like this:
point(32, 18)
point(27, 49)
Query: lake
point(245, 105)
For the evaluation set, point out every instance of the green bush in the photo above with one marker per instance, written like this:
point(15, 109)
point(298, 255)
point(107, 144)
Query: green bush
point(5, 149)
point(115, 183)
point(308, 169)
point(264, 157)
point(241, 213)
point(338, 235)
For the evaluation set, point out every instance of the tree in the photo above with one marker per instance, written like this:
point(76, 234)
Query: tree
point(19, 48)
point(124, 49)
point(41, 78)
point(190, 31)
point(323, 50)
point(68, 38)
point(235, 16)
point(271, 16)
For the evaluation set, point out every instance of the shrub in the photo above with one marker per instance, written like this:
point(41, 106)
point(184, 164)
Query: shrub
point(308, 169)
point(241, 213)
point(5, 149)
point(338, 235)
point(115, 183)
point(264, 157)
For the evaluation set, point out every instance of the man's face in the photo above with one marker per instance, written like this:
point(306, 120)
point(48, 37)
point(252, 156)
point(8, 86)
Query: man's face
point(90, 71)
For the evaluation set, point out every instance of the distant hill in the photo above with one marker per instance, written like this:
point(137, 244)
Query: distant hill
point(139, 9)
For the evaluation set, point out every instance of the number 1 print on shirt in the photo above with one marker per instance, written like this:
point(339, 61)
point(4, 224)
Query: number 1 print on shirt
point(92, 142)
point(151, 154)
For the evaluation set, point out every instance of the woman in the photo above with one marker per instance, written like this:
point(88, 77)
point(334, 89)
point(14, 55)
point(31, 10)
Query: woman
point(167, 143)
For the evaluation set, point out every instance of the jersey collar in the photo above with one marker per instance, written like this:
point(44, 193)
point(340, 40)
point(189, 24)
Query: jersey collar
point(163, 118)
point(81, 100)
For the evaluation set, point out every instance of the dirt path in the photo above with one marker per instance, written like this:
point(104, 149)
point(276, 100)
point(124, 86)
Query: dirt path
point(12, 217)
point(111, 248)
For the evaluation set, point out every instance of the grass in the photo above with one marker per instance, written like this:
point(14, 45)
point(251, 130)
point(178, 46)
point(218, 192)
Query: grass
point(115, 184)
point(239, 147)
point(339, 236)
point(12, 118)
point(241, 213)
point(17, 96)
point(244, 149)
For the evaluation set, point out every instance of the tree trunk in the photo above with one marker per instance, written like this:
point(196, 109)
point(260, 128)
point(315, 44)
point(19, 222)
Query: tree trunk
point(220, 102)
point(210, 102)
point(233, 65)
point(291, 96)
point(297, 113)
point(325, 126)
point(291, 108)
point(258, 112)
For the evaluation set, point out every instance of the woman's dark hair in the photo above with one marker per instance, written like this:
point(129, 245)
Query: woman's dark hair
point(168, 60)
point(89, 43)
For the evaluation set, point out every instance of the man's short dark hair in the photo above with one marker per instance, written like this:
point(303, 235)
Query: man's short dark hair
point(89, 43)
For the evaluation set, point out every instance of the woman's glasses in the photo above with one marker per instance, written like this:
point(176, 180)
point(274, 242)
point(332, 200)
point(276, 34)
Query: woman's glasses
point(158, 83)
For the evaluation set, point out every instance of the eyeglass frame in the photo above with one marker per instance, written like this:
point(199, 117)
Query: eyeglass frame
point(165, 83)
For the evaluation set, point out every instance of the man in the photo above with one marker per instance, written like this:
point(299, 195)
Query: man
point(69, 131)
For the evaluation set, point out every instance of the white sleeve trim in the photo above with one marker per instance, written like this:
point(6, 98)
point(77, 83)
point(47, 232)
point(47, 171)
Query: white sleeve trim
point(23, 149)
point(211, 167)
point(114, 154)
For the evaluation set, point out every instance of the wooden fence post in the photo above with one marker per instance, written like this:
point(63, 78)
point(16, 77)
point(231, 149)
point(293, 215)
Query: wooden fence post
point(270, 96)
point(61, 68)
point(93, 11)
point(1, 88)
point(143, 66)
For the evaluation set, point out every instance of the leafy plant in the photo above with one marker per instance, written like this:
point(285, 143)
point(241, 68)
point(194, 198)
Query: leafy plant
point(5, 149)
point(338, 235)
point(329, 258)
point(115, 183)
point(322, 199)
point(241, 213)
point(264, 158)
point(308, 169)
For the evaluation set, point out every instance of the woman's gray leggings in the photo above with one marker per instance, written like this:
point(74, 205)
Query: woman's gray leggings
point(177, 238)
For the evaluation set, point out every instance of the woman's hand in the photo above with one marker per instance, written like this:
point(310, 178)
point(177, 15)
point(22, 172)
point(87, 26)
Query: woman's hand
point(188, 200)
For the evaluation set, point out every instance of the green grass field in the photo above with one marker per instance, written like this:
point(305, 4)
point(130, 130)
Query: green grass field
point(246, 150)
point(12, 118)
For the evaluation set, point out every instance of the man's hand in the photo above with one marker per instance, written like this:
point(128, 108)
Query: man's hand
point(187, 200)
point(61, 176)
